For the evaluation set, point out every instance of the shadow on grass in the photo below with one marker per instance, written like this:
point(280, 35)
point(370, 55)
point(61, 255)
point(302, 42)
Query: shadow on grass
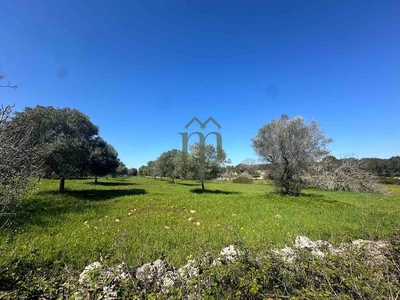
point(101, 195)
point(311, 198)
point(188, 184)
point(200, 191)
point(44, 207)
point(111, 183)
point(302, 195)
point(311, 195)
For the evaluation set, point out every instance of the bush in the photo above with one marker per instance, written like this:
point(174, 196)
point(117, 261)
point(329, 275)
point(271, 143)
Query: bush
point(242, 180)
point(389, 180)
point(245, 178)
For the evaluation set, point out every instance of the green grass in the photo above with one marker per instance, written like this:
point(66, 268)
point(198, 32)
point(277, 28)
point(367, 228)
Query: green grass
point(138, 220)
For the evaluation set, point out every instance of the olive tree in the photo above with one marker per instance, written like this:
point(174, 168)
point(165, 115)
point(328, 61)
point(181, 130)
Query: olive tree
point(153, 168)
point(18, 164)
point(64, 137)
point(132, 172)
point(168, 164)
point(121, 169)
point(143, 171)
point(202, 162)
point(292, 147)
point(103, 158)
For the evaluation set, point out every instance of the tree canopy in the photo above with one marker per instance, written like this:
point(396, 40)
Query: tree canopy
point(202, 163)
point(64, 137)
point(121, 169)
point(168, 164)
point(103, 159)
point(292, 147)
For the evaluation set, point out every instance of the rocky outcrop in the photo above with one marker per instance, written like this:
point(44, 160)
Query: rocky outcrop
point(99, 279)
point(157, 273)
point(374, 250)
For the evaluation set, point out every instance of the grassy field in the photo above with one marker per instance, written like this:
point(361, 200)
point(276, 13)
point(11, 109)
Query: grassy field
point(139, 220)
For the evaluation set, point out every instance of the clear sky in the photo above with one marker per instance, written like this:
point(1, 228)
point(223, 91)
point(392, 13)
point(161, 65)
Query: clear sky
point(143, 69)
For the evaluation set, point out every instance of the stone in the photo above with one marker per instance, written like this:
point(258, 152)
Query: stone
point(229, 254)
point(189, 270)
point(151, 271)
point(84, 277)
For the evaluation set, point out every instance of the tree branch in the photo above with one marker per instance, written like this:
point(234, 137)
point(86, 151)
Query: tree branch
point(8, 85)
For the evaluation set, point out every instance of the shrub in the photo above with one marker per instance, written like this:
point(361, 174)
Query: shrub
point(389, 180)
point(242, 180)
point(245, 178)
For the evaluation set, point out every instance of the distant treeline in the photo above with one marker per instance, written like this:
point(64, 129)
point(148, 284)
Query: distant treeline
point(382, 167)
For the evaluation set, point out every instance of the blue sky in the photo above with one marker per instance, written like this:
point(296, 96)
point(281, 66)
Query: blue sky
point(143, 69)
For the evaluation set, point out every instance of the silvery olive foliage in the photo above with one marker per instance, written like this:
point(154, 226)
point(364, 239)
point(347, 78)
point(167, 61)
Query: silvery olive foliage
point(292, 147)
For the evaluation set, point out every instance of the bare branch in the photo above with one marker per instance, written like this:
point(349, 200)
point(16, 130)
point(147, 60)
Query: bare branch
point(343, 174)
point(18, 164)
point(8, 85)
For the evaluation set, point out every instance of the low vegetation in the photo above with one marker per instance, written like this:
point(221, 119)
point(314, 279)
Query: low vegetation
point(390, 180)
point(243, 178)
point(138, 220)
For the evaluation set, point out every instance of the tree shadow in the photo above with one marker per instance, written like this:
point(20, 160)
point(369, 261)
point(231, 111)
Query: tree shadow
point(321, 199)
point(102, 183)
point(306, 198)
point(302, 194)
point(188, 184)
point(200, 191)
point(47, 204)
point(312, 195)
point(102, 195)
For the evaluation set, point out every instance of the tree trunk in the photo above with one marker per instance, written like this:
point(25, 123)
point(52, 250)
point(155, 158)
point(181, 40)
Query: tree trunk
point(62, 184)
point(95, 178)
point(202, 185)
